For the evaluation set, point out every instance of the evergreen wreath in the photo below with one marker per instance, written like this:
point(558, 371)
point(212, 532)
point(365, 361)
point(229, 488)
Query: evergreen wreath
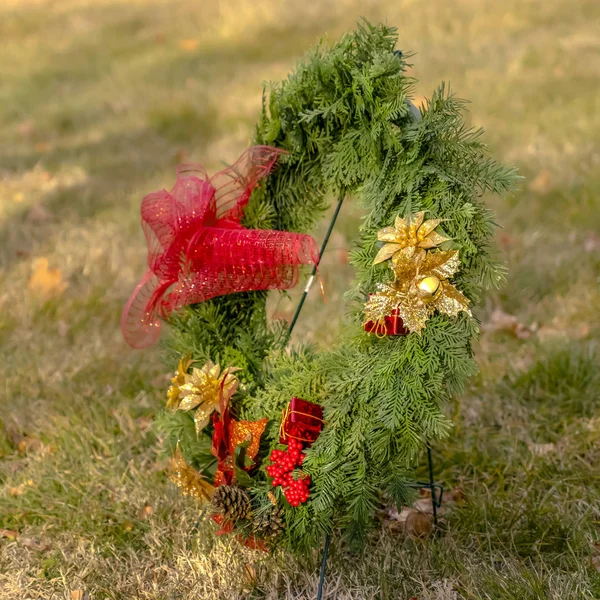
point(299, 441)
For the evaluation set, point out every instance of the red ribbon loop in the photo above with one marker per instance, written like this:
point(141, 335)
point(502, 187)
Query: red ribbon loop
point(198, 249)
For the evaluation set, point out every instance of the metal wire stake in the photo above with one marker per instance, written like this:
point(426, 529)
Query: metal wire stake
point(432, 486)
point(316, 266)
point(323, 567)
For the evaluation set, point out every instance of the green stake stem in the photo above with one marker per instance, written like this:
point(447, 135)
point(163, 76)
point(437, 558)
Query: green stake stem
point(316, 266)
point(323, 567)
point(432, 486)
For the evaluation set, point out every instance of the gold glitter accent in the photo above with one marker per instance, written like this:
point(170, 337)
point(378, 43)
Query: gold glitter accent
point(405, 295)
point(187, 479)
point(174, 392)
point(408, 238)
point(246, 431)
point(206, 390)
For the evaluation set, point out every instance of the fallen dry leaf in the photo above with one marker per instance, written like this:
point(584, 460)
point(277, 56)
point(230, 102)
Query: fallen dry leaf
point(418, 524)
point(596, 556)
point(15, 437)
point(26, 128)
point(417, 520)
point(542, 183)
point(411, 522)
point(502, 321)
point(20, 489)
point(42, 147)
point(63, 329)
point(453, 496)
point(45, 281)
point(424, 505)
point(249, 576)
point(578, 331)
point(28, 444)
point(39, 214)
point(505, 240)
point(9, 533)
point(34, 544)
point(188, 45)
point(456, 495)
point(592, 242)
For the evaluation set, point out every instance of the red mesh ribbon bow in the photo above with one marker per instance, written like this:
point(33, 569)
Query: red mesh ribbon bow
point(198, 249)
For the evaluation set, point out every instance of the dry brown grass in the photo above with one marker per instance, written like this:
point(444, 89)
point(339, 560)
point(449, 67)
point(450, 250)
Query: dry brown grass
point(99, 100)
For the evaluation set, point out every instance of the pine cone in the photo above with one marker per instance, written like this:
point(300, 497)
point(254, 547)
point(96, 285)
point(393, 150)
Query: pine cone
point(271, 524)
point(231, 502)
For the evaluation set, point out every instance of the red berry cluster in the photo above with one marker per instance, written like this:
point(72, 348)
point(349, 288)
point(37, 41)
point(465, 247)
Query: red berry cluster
point(284, 463)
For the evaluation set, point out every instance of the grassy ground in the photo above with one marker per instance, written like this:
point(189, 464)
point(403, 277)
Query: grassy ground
point(99, 100)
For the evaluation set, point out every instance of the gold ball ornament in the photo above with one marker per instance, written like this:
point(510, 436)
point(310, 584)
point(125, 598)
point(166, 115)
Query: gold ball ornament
point(428, 287)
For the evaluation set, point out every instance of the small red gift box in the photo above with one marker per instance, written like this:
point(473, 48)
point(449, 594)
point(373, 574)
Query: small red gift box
point(392, 325)
point(301, 421)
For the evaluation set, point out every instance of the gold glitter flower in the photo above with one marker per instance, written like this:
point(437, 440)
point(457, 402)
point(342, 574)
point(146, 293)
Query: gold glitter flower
point(408, 237)
point(206, 390)
point(187, 479)
point(174, 392)
point(421, 287)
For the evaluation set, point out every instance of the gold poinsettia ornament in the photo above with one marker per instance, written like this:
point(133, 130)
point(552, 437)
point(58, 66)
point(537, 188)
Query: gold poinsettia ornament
point(206, 390)
point(421, 287)
point(408, 237)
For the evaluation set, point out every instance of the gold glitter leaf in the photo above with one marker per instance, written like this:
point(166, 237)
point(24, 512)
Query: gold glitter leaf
point(400, 225)
point(428, 227)
point(174, 392)
point(386, 252)
point(441, 264)
point(451, 301)
point(433, 240)
point(202, 416)
point(418, 220)
point(381, 304)
point(414, 314)
point(189, 402)
point(187, 479)
point(387, 234)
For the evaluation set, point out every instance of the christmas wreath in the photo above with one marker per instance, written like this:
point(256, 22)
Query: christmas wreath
point(286, 444)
